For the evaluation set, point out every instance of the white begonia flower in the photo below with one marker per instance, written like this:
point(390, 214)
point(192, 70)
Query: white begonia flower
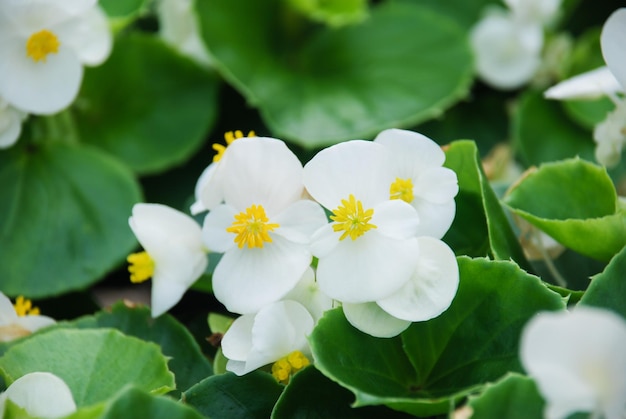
point(178, 26)
point(276, 331)
point(507, 50)
point(369, 251)
point(536, 11)
point(41, 394)
point(174, 255)
point(263, 227)
point(43, 46)
point(578, 361)
point(20, 319)
point(421, 180)
point(10, 124)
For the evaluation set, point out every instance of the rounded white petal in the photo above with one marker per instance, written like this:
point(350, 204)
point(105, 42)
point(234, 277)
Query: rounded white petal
point(324, 241)
point(411, 152)
point(577, 360)
point(435, 219)
point(308, 293)
point(42, 395)
point(360, 168)
point(247, 279)
point(438, 185)
point(612, 42)
point(88, 35)
point(39, 87)
point(201, 185)
point(178, 26)
point(367, 269)
point(33, 323)
point(28, 17)
point(237, 341)
point(7, 311)
point(260, 171)
point(371, 319)
point(214, 233)
point(432, 286)
point(507, 53)
point(394, 219)
point(300, 220)
point(590, 85)
point(10, 126)
point(538, 11)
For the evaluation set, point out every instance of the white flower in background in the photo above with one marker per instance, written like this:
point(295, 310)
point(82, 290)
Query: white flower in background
point(278, 332)
point(536, 11)
point(43, 47)
point(421, 180)
point(263, 227)
point(20, 319)
point(174, 255)
point(578, 361)
point(178, 26)
point(10, 124)
point(590, 85)
point(41, 394)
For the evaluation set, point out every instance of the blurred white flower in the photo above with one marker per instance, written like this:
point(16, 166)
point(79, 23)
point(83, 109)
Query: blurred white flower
point(10, 124)
point(578, 361)
point(178, 26)
point(263, 227)
point(43, 47)
point(536, 11)
point(610, 136)
point(20, 319)
point(41, 394)
point(590, 85)
point(174, 255)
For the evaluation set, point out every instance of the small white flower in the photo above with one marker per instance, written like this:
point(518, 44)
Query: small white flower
point(174, 255)
point(20, 319)
point(41, 394)
point(10, 124)
point(578, 361)
point(536, 11)
point(43, 46)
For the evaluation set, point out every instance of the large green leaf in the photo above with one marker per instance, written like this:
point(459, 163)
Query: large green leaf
point(480, 227)
point(467, 13)
point(251, 396)
point(437, 362)
point(116, 9)
point(574, 202)
point(95, 364)
point(607, 289)
point(147, 105)
point(318, 86)
point(135, 403)
point(64, 217)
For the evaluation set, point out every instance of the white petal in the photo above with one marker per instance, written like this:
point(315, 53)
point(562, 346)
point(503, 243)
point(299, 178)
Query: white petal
point(540, 11)
point(42, 394)
point(432, 287)
point(261, 171)
point(214, 233)
point(585, 346)
point(35, 15)
point(308, 293)
point(33, 323)
point(435, 219)
point(371, 319)
point(360, 168)
point(237, 341)
point(324, 241)
point(179, 27)
point(394, 219)
point(300, 220)
point(10, 126)
point(411, 152)
point(167, 291)
point(612, 42)
point(247, 279)
point(7, 311)
point(203, 181)
point(39, 87)
point(367, 269)
point(88, 35)
point(438, 185)
point(590, 85)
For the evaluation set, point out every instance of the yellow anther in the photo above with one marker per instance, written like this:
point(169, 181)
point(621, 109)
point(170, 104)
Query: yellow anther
point(287, 366)
point(297, 360)
point(252, 227)
point(350, 218)
point(24, 307)
point(229, 136)
point(141, 267)
point(42, 43)
point(401, 189)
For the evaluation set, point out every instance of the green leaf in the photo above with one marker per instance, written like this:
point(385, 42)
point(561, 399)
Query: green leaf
point(318, 86)
point(437, 362)
point(334, 12)
point(122, 9)
point(250, 396)
point(64, 210)
point(574, 202)
point(480, 226)
point(135, 403)
point(608, 288)
point(466, 13)
point(187, 362)
point(147, 104)
point(94, 364)
point(513, 397)
point(542, 132)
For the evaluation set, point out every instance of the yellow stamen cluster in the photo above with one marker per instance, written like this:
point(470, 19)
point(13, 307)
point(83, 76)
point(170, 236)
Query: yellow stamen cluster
point(230, 136)
point(42, 43)
point(252, 227)
point(287, 366)
point(24, 307)
point(141, 267)
point(401, 189)
point(350, 218)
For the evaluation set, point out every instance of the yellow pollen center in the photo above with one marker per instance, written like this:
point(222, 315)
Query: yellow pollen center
point(401, 189)
point(285, 367)
point(350, 218)
point(252, 227)
point(24, 307)
point(229, 136)
point(141, 267)
point(42, 43)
